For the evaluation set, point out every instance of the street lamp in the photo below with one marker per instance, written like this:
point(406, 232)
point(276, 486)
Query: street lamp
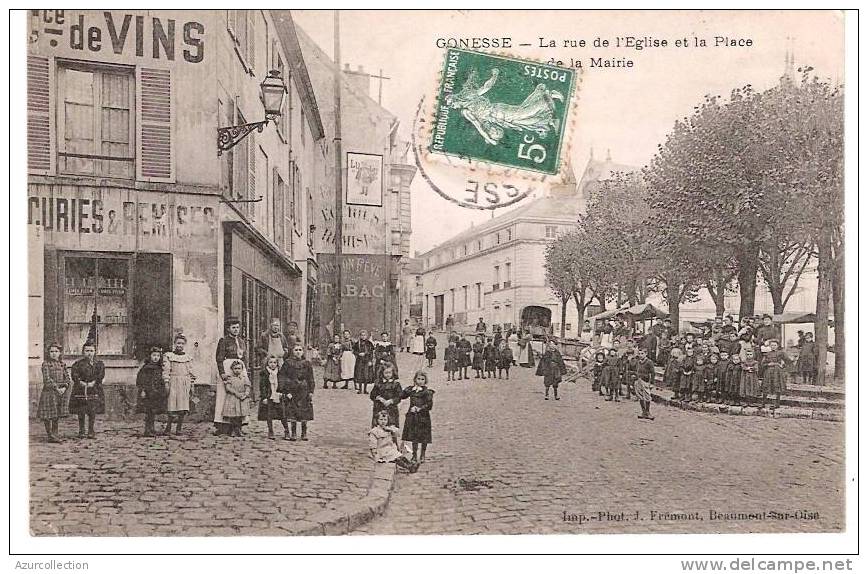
point(272, 92)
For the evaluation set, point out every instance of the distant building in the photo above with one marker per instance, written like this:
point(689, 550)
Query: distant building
point(411, 291)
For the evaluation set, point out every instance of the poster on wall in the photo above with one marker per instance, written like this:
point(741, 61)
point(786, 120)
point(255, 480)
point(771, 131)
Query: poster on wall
point(364, 179)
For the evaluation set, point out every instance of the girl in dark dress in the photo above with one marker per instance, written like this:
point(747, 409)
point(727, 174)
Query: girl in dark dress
point(430, 349)
point(698, 382)
point(451, 361)
point(464, 351)
point(597, 370)
point(688, 367)
point(364, 371)
point(552, 368)
point(152, 390)
point(711, 376)
point(417, 422)
point(386, 395)
point(384, 353)
point(733, 379)
point(272, 397)
point(55, 384)
point(478, 361)
point(489, 358)
point(774, 380)
point(807, 361)
point(87, 398)
point(296, 376)
point(609, 377)
point(504, 359)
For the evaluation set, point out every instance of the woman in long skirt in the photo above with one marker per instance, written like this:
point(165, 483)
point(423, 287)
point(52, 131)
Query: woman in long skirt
point(348, 360)
point(418, 345)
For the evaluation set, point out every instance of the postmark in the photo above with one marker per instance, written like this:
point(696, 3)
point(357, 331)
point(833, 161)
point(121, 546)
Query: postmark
point(502, 111)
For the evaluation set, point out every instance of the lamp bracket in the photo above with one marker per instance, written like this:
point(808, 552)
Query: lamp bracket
point(228, 137)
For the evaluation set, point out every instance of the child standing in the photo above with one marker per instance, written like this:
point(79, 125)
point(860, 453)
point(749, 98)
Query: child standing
point(348, 360)
point(272, 404)
point(625, 365)
point(597, 370)
point(504, 359)
point(332, 370)
point(236, 406)
point(179, 377)
point(713, 376)
point(748, 388)
point(672, 373)
point(489, 357)
point(643, 375)
point(699, 382)
point(384, 446)
point(478, 360)
point(55, 383)
point(464, 351)
point(733, 378)
point(297, 377)
point(688, 367)
point(417, 421)
point(364, 368)
point(386, 395)
point(609, 378)
point(87, 398)
point(807, 361)
point(774, 372)
point(552, 368)
point(384, 353)
point(152, 390)
point(450, 361)
point(430, 349)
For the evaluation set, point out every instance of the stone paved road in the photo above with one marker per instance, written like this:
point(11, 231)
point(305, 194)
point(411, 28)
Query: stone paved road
point(125, 484)
point(504, 461)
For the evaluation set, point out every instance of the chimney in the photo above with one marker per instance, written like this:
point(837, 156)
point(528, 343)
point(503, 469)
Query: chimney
point(358, 79)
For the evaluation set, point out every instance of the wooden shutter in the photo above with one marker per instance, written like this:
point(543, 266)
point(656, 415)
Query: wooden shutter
point(155, 145)
point(38, 116)
point(251, 174)
point(251, 39)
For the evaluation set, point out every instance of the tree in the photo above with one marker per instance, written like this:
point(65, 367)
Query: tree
point(781, 264)
point(573, 268)
point(560, 274)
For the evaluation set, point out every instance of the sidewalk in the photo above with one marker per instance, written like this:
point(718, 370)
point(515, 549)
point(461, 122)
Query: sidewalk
point(123, 484)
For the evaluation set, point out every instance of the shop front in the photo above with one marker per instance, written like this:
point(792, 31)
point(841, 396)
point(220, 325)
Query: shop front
point(125, 268)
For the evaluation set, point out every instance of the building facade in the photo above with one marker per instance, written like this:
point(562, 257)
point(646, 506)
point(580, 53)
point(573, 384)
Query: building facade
point(376, 211)
point(138, 228)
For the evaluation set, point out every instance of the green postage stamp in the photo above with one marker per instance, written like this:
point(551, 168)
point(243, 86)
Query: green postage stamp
point(503, 111)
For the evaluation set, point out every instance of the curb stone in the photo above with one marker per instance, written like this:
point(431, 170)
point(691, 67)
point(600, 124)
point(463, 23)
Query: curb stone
point(348, 516)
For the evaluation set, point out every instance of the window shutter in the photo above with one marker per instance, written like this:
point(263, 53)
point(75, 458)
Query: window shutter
point(251, 174)
point(38, 116)
point(156, 150)
point(251, 39)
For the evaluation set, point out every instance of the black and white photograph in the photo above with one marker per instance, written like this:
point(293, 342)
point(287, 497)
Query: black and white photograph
point(316, 279)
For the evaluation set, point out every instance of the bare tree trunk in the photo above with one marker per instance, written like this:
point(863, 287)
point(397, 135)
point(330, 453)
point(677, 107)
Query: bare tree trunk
point(564, 316)
point(824, 286)
point(673, 299)
point(838, 312)
point(748, 263)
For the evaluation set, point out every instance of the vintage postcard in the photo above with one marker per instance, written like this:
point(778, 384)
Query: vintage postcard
point(324, 273)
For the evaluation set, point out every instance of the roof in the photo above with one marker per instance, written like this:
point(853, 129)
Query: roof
point(601, 170)
point(286, 30)
point(325, 65)
point(565, 208)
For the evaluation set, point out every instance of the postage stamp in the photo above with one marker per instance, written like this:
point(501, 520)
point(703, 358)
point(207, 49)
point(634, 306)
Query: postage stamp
point(502, 110)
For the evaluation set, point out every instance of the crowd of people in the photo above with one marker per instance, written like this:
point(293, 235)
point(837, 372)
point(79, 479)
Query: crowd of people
point(165, 382)
point(727, 362)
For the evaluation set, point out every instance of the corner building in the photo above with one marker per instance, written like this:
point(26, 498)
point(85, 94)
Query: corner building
point(137, 228)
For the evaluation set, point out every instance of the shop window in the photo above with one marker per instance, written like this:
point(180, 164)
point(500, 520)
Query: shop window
point(95, 122)
point(121, 301)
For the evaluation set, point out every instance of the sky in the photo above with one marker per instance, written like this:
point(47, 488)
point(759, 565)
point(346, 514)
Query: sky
point(623, 111)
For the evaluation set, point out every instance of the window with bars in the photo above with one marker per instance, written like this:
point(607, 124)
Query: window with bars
point(96, 120)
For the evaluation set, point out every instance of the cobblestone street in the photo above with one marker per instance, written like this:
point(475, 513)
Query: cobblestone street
point(125, 484)
point(504, 461)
